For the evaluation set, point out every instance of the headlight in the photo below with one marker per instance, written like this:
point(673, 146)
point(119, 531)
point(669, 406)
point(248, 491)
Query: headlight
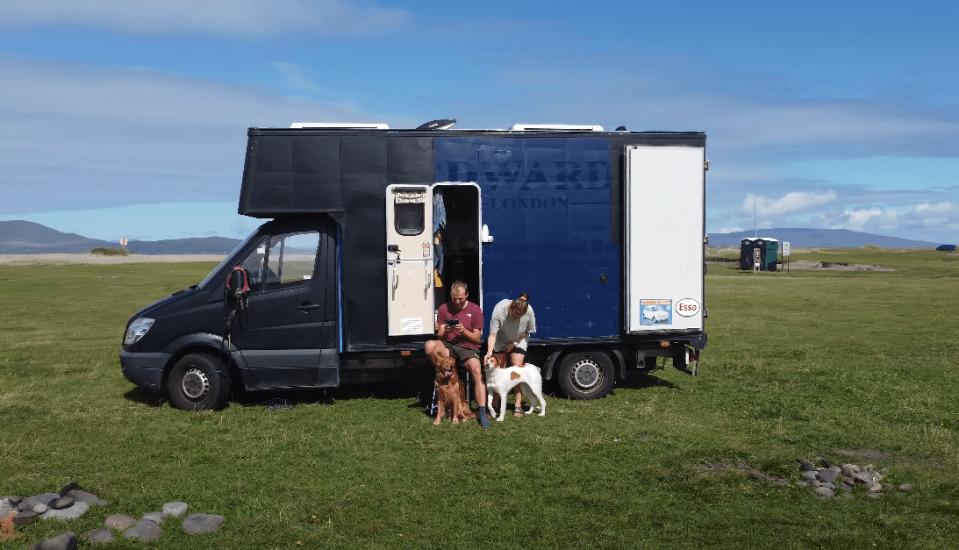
point(137, 329)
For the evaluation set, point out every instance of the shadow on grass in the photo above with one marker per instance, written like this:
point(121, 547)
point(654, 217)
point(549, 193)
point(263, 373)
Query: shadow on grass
point(414, 385)
point(640, 380)
point(146, 397)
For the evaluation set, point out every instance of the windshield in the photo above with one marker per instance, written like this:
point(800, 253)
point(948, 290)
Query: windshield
point(226, 260)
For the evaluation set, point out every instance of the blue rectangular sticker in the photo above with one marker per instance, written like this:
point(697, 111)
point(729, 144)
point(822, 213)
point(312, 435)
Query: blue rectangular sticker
point(655, 312)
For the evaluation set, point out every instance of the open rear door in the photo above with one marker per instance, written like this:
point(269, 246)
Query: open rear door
point(409, 259)
point(665, 226)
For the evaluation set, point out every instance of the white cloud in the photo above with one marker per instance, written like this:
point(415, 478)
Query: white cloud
point(77, 137)
point(788, 204)
point(296, 77)
point(942, 215)
point(218, 17)
point(870, 219)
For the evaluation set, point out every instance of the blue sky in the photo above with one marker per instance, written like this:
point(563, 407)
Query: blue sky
point(128, 118)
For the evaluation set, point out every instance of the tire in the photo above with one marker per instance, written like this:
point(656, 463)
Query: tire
point(586, 375)
point(195, 383)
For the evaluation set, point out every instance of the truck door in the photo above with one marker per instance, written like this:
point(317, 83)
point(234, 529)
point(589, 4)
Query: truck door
point(409, 259)
point(665, 227)
point(287, 333)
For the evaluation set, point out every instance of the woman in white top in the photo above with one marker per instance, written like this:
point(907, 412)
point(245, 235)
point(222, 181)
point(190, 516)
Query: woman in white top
point(510, 326)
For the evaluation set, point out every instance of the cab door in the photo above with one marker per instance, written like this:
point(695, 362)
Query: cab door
point(409, 259)
point(287, 330)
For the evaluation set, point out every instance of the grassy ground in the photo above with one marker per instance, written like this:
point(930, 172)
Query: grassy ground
point(803, 364)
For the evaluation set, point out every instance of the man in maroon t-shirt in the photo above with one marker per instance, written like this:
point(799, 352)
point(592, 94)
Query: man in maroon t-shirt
point(459, 326)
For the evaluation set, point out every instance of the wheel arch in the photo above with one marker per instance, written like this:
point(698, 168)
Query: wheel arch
point(556, 357)
point(208, 344)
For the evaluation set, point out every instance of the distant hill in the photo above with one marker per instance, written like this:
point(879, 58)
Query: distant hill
point(23, 237)
point(818, 238)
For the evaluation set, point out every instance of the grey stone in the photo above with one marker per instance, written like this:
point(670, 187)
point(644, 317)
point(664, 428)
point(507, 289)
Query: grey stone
point(119, 522)
point(849, 479)
point(830, 475)
point(905, 487)
point(101, 536)
point(72, 512)
point(25, 517)
point(82, 496)
point(810, 475)
point(869, 478)
point(828, 485)
point(825, 492)
point(60, 503)
point(875, 488)
point(155, 517)
point(202, 523)
point(144, 530)
point(69, 487)
point(175, 509)
point(40, 508)
point(29, 502)
point(874, 495)
point(6, 508)
point(66, 541)
point(11, 500)
point(849, 470)
point(845, 486)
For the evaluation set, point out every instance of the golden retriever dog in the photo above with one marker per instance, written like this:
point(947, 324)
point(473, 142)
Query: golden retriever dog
point(450, 393)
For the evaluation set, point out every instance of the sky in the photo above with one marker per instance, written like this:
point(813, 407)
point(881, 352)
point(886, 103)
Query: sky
point(128, 118)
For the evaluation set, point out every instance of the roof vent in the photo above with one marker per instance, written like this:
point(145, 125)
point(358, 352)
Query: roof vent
point(557, 127)
point(439, 124)
point(342, 125)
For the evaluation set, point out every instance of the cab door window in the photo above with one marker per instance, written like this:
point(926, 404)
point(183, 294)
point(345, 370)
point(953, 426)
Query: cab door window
point(282, 261)
point(292, 258)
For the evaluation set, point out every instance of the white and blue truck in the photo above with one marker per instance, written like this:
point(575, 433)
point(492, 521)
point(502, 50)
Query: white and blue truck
point(368, 226)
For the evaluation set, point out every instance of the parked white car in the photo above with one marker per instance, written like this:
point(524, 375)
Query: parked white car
point(655, 314)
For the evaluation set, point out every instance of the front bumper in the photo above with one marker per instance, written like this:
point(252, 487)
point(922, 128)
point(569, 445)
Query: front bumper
point(144, 369)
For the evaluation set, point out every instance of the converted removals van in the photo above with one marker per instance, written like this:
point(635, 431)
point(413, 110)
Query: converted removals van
point(368, 227)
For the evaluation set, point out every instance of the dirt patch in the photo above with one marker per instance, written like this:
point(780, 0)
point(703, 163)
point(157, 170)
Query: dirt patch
point(100, 259)
point(831, 266)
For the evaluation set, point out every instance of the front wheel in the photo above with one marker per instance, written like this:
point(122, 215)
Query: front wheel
point(586, 375)
point(195, 383)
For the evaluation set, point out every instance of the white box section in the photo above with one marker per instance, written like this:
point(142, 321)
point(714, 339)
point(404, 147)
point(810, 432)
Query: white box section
point(665, 224)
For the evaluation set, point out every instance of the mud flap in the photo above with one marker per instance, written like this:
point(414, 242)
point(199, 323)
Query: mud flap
point(686, 359)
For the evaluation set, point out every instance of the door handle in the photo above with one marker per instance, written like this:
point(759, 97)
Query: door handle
point(305, 307)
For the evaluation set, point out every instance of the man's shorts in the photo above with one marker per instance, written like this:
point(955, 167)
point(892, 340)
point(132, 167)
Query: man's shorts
point(461, 353)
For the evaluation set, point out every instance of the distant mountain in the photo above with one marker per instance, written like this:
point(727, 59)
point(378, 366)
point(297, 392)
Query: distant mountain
point(23, 237)
point(818, 238)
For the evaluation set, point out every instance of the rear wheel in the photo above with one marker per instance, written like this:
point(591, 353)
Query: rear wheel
point(195, 383)
point(586, 375)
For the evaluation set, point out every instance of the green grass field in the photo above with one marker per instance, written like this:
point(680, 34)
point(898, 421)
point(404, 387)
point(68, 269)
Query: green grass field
point(803, 364)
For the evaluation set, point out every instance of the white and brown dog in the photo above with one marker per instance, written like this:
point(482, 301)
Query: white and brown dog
point(501, 381)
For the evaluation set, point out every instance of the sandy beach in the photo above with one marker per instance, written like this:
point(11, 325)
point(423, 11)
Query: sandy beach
point(100, 259)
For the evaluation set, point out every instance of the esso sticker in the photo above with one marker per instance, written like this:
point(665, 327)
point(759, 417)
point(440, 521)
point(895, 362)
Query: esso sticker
point(687, 307)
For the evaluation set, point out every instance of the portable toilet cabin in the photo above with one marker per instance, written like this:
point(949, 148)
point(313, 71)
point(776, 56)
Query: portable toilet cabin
point(746, 254)
point(769, 253)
